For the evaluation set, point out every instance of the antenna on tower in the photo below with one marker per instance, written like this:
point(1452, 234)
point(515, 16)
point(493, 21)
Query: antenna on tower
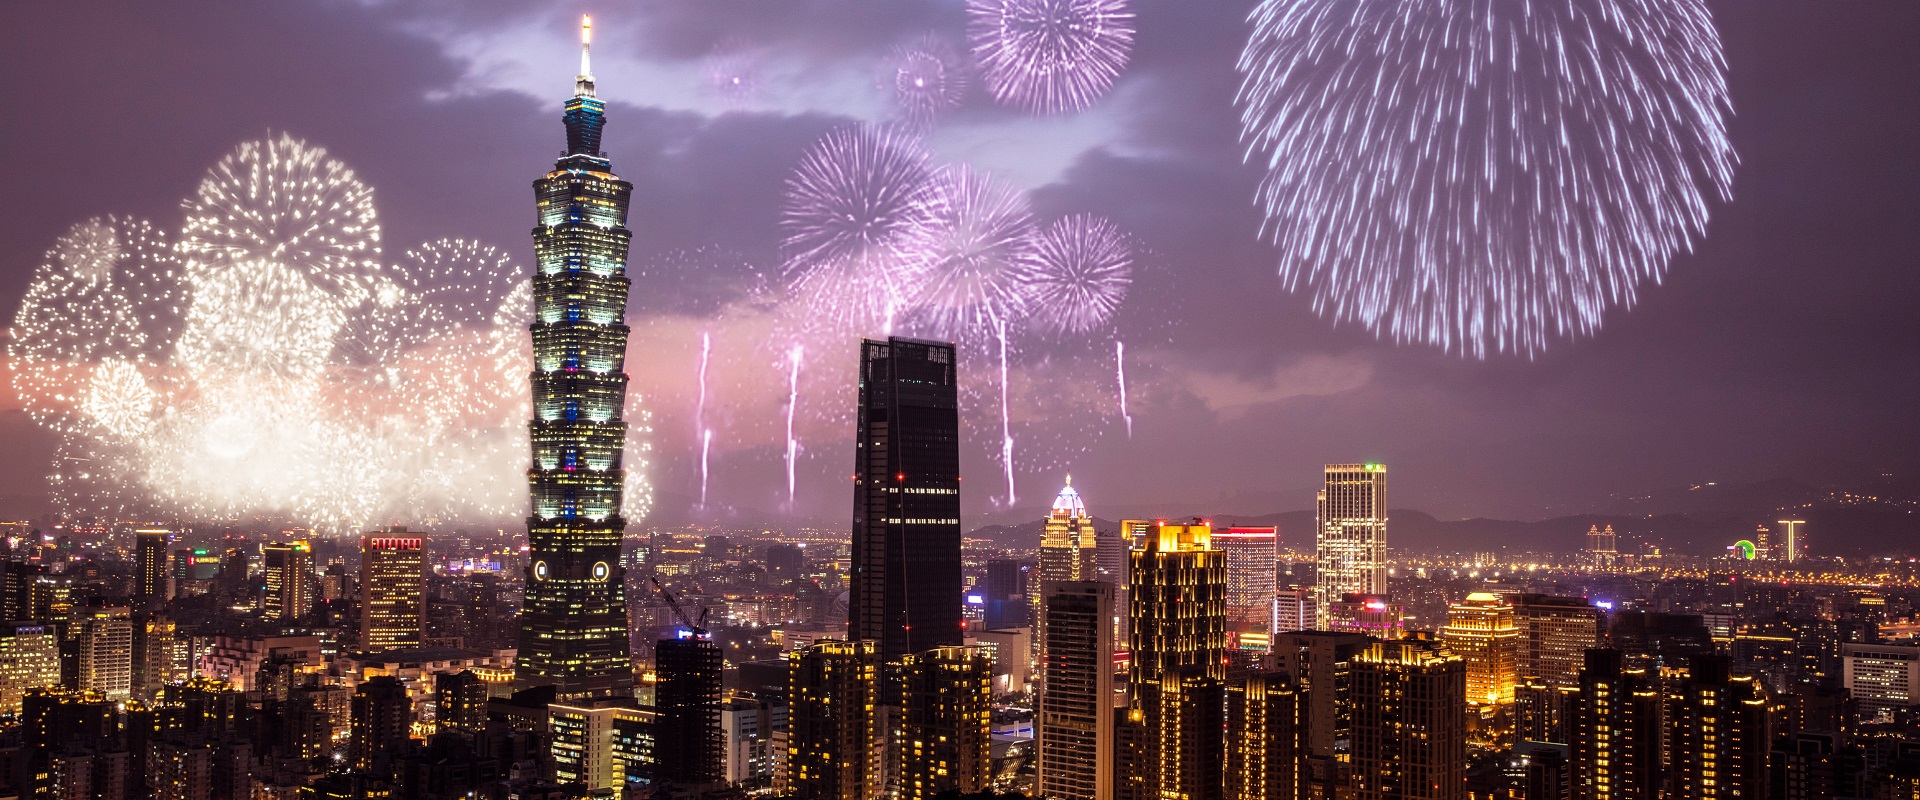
point(583, 83)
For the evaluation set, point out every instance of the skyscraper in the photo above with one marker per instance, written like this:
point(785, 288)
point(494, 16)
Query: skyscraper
point(1718, 736)
point(1006, 593)
point(946, 714)
point(688, 743)
point(1178, 625)
point(393, 572)
point(904, 592)
point(573, 627)
point(1069, 552)
point(1253, 559)
point(1480, 629)
point(29, 659)
point(382, 716)
point(1409, 722)
point(289, 568)
point(834, 742)
point(1616, 747)
point(1267, 732)
point(1293, 610)
point(1603, 546)
point(1555, 635)
point(1074, 729)
point(155, 581)
point(105, 641)
point(1350, 545)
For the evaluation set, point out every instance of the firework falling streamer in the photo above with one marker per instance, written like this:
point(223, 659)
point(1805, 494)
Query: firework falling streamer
point(1083, 266)
point(1050, 56)
point(850, 208)
point(1483, 176)
point(700, 412)
point(1006, 422)
point(793, 403)
point(927, 79)
point(1120, 379)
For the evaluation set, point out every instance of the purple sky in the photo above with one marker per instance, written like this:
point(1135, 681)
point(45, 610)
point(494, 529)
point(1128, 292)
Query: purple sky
point(1783, 346)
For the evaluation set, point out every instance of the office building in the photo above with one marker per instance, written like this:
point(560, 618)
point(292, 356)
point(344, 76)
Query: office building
point(1074, 728)
point(1373, 615)
point(1005, 594)
point(105, 641)
point(945, 716)
point(1717, 732)
point(905, 588)
point(1267, 738)
point(1616, 745)
point(155, 640)
point(689, 743)
point(1177, 589)
point(1555, 634)
point(573, 623)
point(1882, 678)
point(1069, 549)
point(583, 746)
point(1253, 559)
point(749, 724)
point(1480, 629)
point(29, 659)
point(1293, 610)
point(1409, 722)
point(1320, 663)
point(460, 701)
point(382, 718)
point(1350, 534)
point(393, 574)
point(1791, 545)
point(1544, 712)
point(835, 746)
point(289, 567)
point(154, 582)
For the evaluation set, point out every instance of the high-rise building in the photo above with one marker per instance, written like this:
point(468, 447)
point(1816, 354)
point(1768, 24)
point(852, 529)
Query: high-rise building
point(1074, 729)
point(688, 743)
point(1480, 629)
point(460, 701)
point(1293, 610)
point(583, 746)
point(1602, 546)
point(1350, 544)
point(1371, 614)
point(1267, 732)
point(1409, 722)
point(1544, 712)
point(573, 626)
point(1069, 551)
point(289, 568)
point(155, 637)
point(1616, 747)
point(1253, 559)
point(29, 659)
point(904, 593)
point(382, 718)
point(1555, 635)
point(834, 741)
point(104, 637)
point(393, 574)
point(945, 717)
point(1321, 663)
point(1177, 589)
point(1881, 677)
point(1005, 594)
point(155, 581)
point(1717, 732)
point(1791, 545)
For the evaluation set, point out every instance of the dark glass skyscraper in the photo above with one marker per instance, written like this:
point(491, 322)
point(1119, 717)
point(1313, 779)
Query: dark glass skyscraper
point(573, 629)
point(905, 590)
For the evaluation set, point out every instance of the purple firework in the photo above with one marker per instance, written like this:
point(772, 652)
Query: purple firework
point(972, 255)
point(1050, 56)
point(927, 78)
point(1082, 269)
point(857, 198)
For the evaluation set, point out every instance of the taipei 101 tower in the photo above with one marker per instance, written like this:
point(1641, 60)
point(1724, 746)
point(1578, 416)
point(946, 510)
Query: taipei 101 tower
point(573, 625)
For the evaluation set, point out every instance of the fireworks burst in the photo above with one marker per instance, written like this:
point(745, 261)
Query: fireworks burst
point(1050, 56)
point(973, 255)
point(850, 209)
point(928, 78)
point(1084, 265)
point(1478, 175)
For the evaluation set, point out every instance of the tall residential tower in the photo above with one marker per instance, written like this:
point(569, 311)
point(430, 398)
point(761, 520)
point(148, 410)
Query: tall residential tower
point(1350, 547)
point(573, 628)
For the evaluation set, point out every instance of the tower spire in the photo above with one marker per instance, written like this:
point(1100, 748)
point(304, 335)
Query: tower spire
point(583, 83)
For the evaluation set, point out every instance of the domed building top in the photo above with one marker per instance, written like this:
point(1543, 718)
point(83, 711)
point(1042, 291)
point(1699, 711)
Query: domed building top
point(1068, 501)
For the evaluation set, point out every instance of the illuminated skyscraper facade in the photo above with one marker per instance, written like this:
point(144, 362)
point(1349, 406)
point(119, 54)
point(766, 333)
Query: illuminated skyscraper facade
point(835, 745)
point(573, 629)
point(1069, 551)
point(1267, 738)
point(1177, 679)
point(1616, 747)
point(1074, 730)
point(393, 573)
point(904, 593)
point(289, 567)
point(1718, 733)
point(29, 659)
point(1252, 563)
point(106, 652)
point(1350, 537)
point(946, 716)
point(1555, 634)
point(1409, 722)
point(1480, 629)
point(155, 582)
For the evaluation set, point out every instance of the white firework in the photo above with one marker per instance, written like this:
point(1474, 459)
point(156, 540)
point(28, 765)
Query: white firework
point(927, 78)
point(851, 208)
point(1050, 56)
point(972, 257)
point(1083, 268)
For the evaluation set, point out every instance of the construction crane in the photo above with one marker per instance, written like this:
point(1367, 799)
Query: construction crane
point(698, 629)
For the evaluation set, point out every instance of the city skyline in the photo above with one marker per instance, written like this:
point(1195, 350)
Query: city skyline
point(1520, 439)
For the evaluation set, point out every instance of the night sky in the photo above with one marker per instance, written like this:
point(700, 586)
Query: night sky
point(1783, 346)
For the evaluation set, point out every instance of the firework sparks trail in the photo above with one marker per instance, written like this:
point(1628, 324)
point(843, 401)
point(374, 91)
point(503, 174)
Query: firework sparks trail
point(1120, 378)
point(1483, 176)
point(1006, 420)
point(793, 403)
point(700, 413)
point(1050, 56)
